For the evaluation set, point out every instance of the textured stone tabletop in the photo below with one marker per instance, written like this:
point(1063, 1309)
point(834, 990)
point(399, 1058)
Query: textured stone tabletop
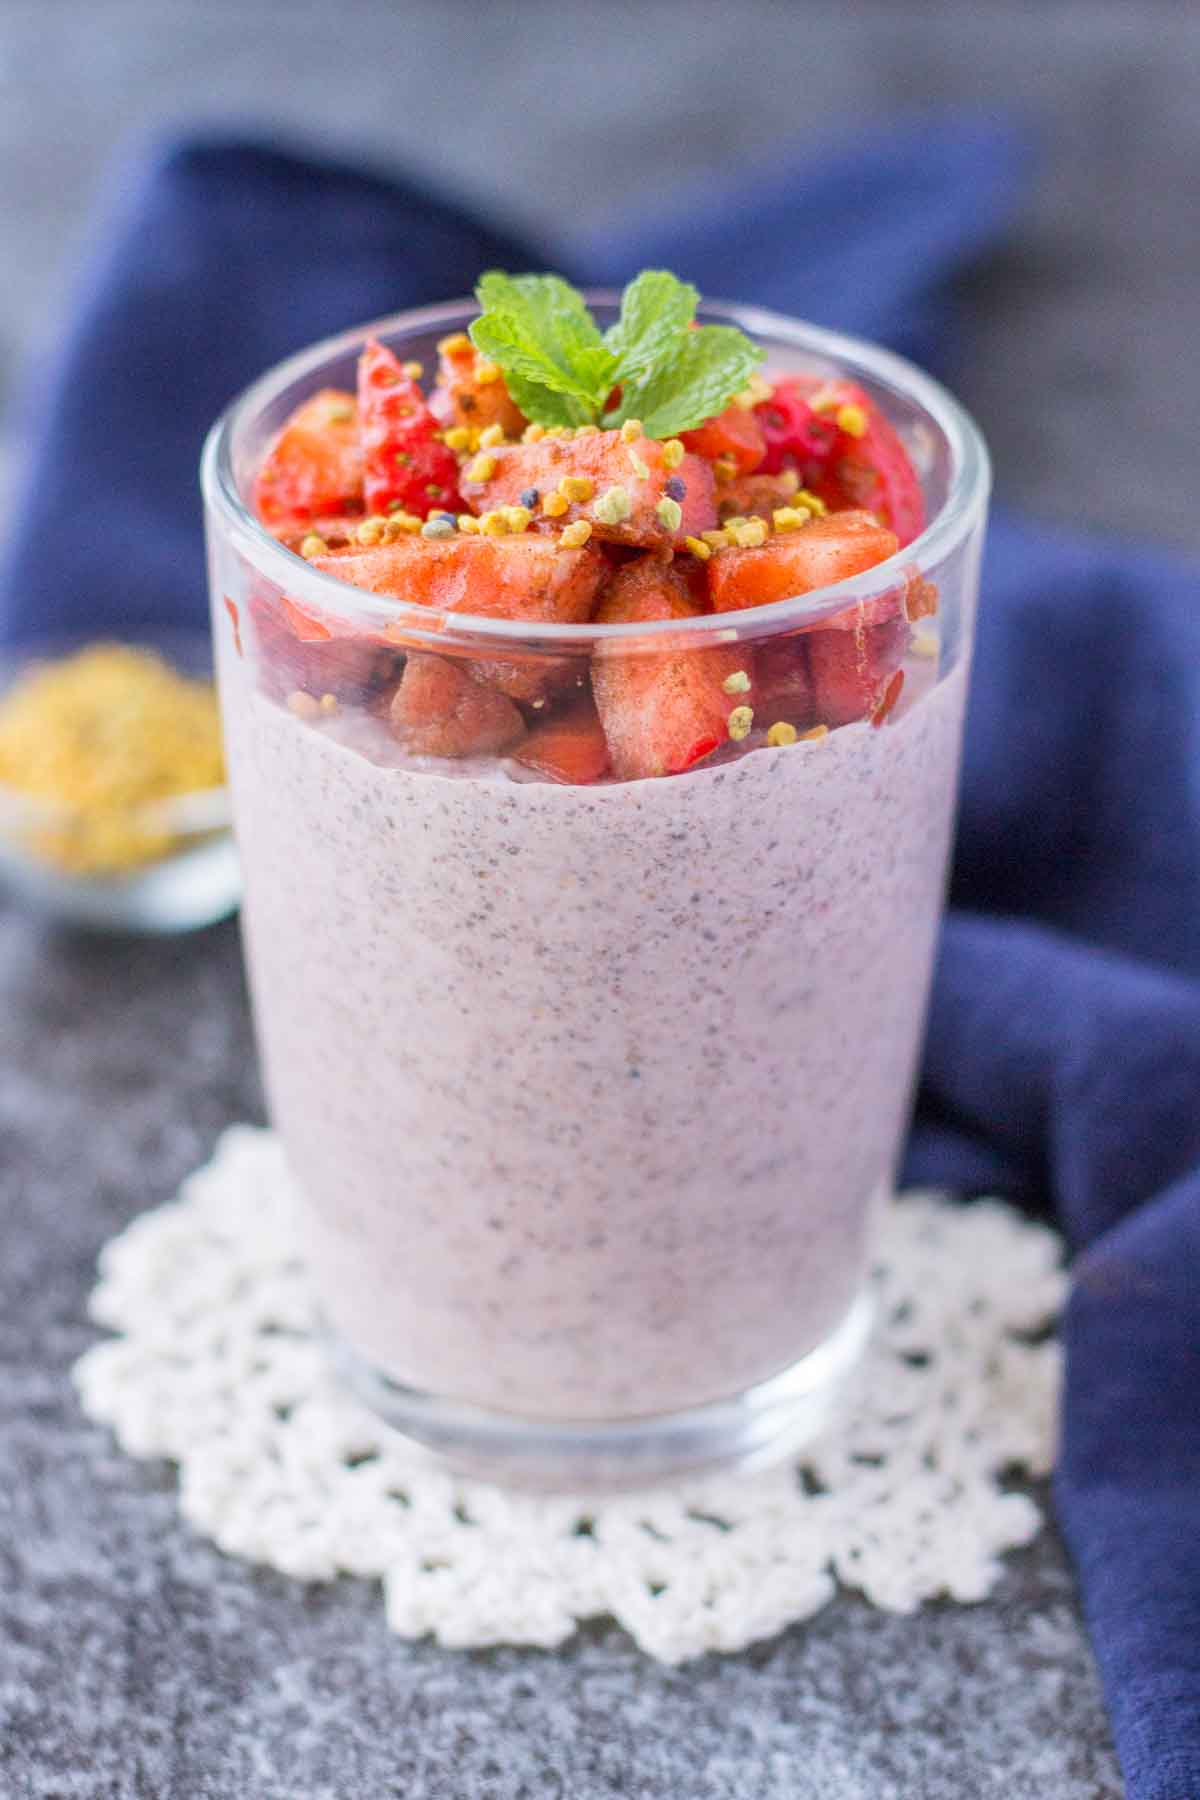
point(137, 1663)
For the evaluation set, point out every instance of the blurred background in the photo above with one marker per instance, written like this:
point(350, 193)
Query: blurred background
point(1081, 364)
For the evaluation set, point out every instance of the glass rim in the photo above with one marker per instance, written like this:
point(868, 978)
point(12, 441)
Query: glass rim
point(967, 494)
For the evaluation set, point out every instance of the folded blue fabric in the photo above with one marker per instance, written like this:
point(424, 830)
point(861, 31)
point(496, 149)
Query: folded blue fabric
point(1063, 1060)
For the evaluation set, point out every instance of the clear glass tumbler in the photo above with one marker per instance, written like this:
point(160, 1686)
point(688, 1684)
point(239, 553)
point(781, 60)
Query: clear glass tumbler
point(590, 1091)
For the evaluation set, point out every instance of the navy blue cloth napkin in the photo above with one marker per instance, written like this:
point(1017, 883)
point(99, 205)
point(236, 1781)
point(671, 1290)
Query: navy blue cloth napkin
point(1063, 1060)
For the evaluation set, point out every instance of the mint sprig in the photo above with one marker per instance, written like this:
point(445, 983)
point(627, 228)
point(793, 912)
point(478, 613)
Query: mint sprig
point(561, 370)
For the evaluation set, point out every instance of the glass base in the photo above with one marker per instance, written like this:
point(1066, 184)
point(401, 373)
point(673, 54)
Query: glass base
point(751, 1430)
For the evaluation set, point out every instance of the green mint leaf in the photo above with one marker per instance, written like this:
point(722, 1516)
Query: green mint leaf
point(539, 328)
point(560, 369)
point(710, 366)
point(656, 308)
point(541, 389)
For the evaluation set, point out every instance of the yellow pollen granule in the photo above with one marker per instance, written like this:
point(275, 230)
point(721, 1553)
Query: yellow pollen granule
point(408, 523)
point(303, 705)
point(313, 545)
point(672, 453)
point(725, 468)
point(639, 465)
point(814, 503)
point(555, 505)
point(482, 469)
point(750, 535)
point(533, 434)
point(737, 683)
point(669, 513)
point(458, 437)
point(329, 705)
point(490, 436)
point(576, 488)
point(781, 733)
point(572, 536)
point(486, 372)
point(371, 530)
point(613, 506)
point(852, 420)
point(741, 719)
point(494, 524)
point(457, 344)
point(414, 370)
point(790, 518)
point(631, 431)
point(518, 518)
point(814, 735)
point(469, 523)
point(788, 481)
point(698, 548)
point(94, 740)
point(583, 431)
point(716, 540)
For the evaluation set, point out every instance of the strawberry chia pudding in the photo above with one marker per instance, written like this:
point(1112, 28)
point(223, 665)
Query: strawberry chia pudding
point(593, 739)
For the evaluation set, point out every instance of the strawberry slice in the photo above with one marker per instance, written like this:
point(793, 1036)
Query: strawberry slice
point(440, 710)
point(405, 463)
point(297, 651)
point(526, 474)
point(735, 434)
point(315, 464)
point(783, 683)
point(460, 397)
point(660, 713)
point(855, 668)
point(844, 448)
point(571, 747)
point(818, 554)
point(525, 577)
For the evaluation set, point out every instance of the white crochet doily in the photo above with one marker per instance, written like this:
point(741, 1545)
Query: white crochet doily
point(215, 1367)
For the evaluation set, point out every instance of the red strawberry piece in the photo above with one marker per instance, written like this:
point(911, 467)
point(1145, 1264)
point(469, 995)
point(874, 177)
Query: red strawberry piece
point(734, 434)
point(525, 577)
point(661, 713)
point(405, 464)
point(608, 463)
point(315, 464)
point(459, 397)
point(795, 562)
point(570, 747)
point(439, 709)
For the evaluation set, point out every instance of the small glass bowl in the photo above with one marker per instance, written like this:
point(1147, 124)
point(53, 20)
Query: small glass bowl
point(195, 884)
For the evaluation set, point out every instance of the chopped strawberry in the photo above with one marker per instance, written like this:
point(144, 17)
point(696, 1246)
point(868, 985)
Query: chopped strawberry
point(783, 685)
point(440, 710)
point(571, 747)
point(623, 505)
point(854, 666)
point(406, 465)
point(735, 434)
point(460, 397)
point(315, 464)
point(297, 651)
point(795, 562)
point(526, 577)
point(844, 449)
point(660, 713)
point(756, 495)
point(530, 679)
point(795, 436)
